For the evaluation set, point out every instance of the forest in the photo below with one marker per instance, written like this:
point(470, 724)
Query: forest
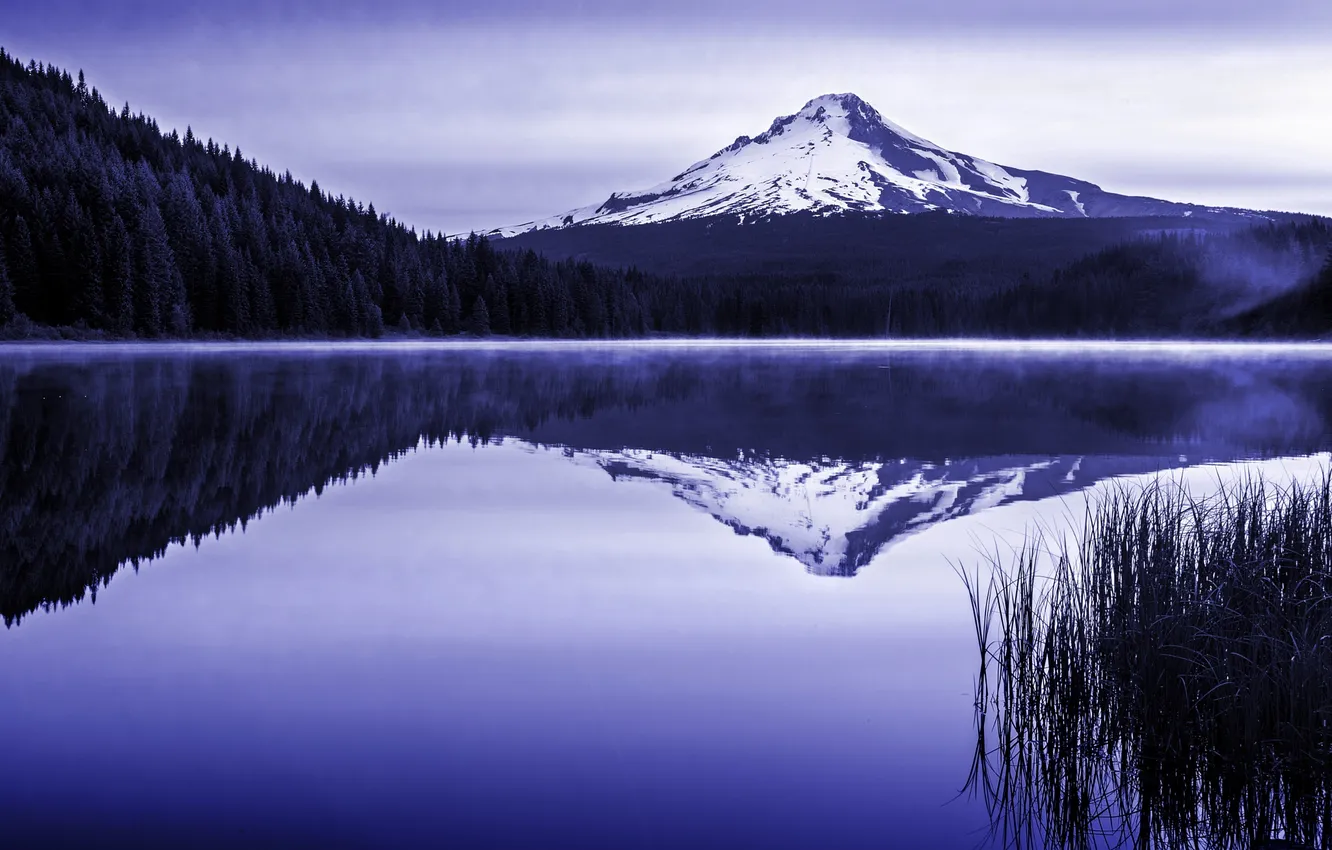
point(111, 227)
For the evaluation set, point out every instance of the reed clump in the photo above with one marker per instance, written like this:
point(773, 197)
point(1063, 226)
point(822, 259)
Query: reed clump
point(1165, 679)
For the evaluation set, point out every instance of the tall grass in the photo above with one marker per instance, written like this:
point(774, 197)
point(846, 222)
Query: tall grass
point(1165, 679)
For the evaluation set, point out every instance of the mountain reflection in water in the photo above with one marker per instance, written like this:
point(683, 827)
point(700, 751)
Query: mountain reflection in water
point(108, 458)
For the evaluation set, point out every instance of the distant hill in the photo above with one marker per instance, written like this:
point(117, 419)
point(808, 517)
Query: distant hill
point(936, 274)
point(904, 250)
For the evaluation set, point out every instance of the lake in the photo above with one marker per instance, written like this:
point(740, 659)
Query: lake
point(552, 596)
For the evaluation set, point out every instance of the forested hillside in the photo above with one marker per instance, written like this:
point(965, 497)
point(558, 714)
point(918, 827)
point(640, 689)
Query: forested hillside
point(913, 250)
point(110, 227)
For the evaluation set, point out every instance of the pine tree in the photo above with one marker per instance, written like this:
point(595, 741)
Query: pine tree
point(414, 305)
point(7, 311)
point(1317, 314)
point(53, 297)
point(478, 323)
point(81, 293)
point(23, 273)
point(118, 281)
point(370, 319)
point(451, 321)
point(159, 295)
point(498, 290)
point(287, 282)
point(186, 229)
point(435, 300)
point(233, 303)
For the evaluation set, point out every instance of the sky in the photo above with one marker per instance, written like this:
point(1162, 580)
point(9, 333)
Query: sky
point(460, 116)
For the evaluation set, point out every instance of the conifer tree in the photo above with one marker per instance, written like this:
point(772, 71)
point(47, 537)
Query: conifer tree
point(158, 298)
point(498, 290)
point(188, 234)
point(371, 317)
point(118, 282)
point(478, 323)
point(435, 294)
point(7, 311)
point(23, 272)
point(452, 319)
point(81, 293)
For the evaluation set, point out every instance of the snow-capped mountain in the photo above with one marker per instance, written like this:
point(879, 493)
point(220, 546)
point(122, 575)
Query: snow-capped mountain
point(839, 155)
point(836, 516)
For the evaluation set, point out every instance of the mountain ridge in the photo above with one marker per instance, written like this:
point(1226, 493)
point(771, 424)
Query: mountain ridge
point(839, 155)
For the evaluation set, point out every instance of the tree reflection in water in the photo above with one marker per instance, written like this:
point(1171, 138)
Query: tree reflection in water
point(107, 457)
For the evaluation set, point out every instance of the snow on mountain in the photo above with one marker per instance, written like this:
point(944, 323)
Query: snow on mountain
point(839, 155)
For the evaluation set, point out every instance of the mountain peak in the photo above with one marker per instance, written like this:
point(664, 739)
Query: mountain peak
point(846, 101)
point(847, 104)
point(855, 118)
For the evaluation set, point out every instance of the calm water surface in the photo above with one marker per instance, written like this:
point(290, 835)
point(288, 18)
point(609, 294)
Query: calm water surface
point(535, 598)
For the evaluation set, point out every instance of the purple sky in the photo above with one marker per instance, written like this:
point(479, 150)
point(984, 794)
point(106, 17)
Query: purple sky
point(456, 116)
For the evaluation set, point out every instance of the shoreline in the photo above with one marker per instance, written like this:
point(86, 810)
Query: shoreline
point(1150, 347)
